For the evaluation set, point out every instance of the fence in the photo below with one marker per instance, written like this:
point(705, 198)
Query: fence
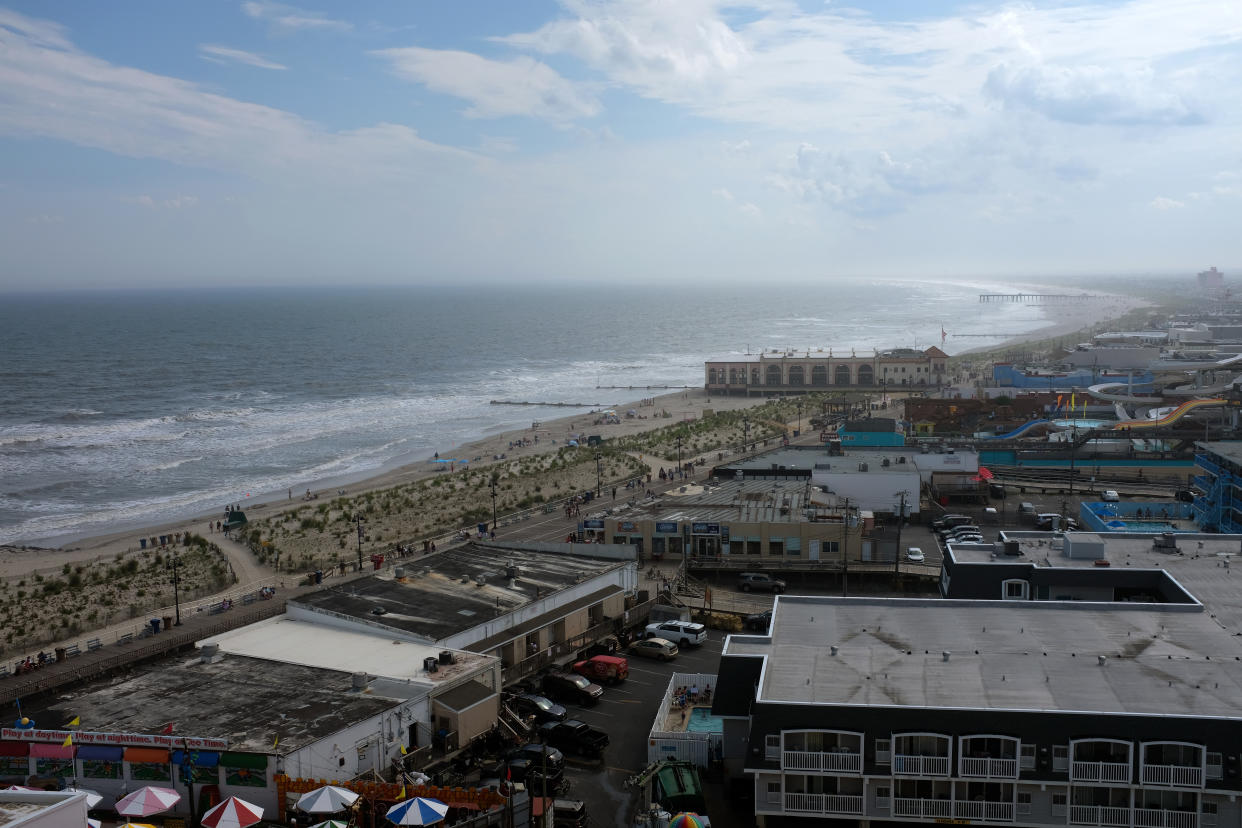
point(699, 747)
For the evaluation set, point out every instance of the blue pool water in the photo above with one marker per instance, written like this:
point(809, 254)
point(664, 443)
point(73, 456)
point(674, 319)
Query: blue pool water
point(1142, 526)
point(702, 721)
point(1080, 424)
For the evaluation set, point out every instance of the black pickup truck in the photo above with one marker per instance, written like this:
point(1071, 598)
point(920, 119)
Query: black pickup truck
point(574, 736)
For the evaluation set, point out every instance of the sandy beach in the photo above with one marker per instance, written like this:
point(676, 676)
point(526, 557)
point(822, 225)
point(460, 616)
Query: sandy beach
point(552, 432)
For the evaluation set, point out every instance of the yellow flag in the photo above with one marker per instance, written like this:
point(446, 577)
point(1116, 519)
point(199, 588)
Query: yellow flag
point(275, 742)
point(1073, 397)
point(403, 750)
point(402, 794)
point(68, 741)
point(77, 720)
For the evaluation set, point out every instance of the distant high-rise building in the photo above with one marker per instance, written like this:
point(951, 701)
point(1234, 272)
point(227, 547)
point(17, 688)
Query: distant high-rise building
point(1211, 279)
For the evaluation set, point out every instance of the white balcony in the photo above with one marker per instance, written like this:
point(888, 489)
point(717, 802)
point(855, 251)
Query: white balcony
point(811, 803)
point(1178, 776)
point(1102, 815)
point(923, 808)
point(904, 765)
point(990, 768)
point(813, 760)
point(1160, 818)
point(988, 811)
point(1100, 772)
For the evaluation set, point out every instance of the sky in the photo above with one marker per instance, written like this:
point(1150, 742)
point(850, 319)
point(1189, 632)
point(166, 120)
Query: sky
point(630, 143)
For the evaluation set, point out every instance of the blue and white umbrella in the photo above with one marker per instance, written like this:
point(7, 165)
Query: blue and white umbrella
point(417, 811)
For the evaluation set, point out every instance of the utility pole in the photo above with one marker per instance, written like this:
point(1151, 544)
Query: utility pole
point(174, 564)
point(799, 429)
point(901, 518)
point(495, 477)
point(845, 553)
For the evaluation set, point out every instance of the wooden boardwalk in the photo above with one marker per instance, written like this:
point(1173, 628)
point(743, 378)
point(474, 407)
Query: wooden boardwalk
point(1036, 298)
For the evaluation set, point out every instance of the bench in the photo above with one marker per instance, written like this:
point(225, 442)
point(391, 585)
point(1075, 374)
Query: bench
point(73, 650)
point(125, 639)
point(146, 632)
point(216, 608)
point(249, 598)
point(4, 671)
point(94, 644)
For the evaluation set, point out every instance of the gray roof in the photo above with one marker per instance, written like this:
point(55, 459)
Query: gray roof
point(1035, 655)
point(741, 501)
point(441, 595)
point(465, 696)
point(1229, 449)
point(298, 704)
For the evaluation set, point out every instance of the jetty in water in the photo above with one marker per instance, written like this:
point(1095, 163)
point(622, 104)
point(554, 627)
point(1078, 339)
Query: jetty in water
point(1036, 298)
point(554, 404)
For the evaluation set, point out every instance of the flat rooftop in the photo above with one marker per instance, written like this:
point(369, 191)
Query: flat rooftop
point(315, 644)
point(1229, 449)
point(1198, 564)
point(744, 501)
point(449, 592)
point(1037, 655)
point(247, 701)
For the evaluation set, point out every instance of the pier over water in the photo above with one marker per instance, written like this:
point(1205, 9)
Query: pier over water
point(1036, 298)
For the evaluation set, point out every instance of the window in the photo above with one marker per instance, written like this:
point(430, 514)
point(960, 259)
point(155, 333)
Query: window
point(830, 547)
point(883, 751)
point(1060, 757)
point(1015, 590)
point(774, 792)
point(772, 746)
point(1215, 766)
point(1028, 757)
point(1058, 804)
point(1024, 803)
point(776, 546)
point(793, 546)
point(882, 796)
point(1209, 813)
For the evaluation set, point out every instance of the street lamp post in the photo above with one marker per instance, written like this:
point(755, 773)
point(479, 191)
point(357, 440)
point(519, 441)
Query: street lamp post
point(494, 479)
point(598, 484)
point(901, 518)
point(174, 564)
point(799, 416)
point(358, 520)
point(679, 457)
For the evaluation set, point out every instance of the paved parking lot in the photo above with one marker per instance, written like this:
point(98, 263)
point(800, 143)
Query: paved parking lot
point(626, 713)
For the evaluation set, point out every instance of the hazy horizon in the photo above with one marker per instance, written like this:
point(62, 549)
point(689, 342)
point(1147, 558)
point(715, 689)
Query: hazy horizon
point(147, 144)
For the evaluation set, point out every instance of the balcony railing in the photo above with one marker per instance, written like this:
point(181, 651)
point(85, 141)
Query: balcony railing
point(1100, 772)
point(990, 811)
point(824, 803)
point(1180, 776)
point(814, 760)
point(904, 765)
point(1160, 818)
point(990, 768)
point(1102, 815)
point(926, 808)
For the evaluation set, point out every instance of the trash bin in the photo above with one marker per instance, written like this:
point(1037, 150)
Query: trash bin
point(163, 540)
point(155, 625)
point(142, 543)
point(60, 653)
point(167, 623)
point(319, 576)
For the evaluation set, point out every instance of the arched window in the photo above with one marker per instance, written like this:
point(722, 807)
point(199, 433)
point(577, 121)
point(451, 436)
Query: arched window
point(774, 375)
point(866, 375)
point(842, 375)
point(795, 375)
point(819, 375)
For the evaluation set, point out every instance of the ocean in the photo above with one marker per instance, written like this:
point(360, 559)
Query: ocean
point(135, 408)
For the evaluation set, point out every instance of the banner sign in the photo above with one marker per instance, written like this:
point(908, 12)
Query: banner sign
point(592, 524)
point(706, 529)
point(87, 737)
point(666, 527)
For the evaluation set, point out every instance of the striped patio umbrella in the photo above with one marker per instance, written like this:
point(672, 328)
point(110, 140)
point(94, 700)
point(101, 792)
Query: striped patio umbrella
point(417, 811)
point(326, 800)
point(92, 797)
point(330, 823)
point(232, 813)
point(146, 801)
point(685, 819)
point(137, 825)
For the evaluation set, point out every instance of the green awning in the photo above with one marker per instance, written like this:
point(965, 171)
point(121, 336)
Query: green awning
point(252, 761)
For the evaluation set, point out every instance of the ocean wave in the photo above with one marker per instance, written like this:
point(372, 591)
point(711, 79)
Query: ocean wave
point(172, 464)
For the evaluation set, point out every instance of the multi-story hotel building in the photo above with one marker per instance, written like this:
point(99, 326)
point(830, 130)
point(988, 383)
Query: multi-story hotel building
point(1116, 707)
point(775, 373)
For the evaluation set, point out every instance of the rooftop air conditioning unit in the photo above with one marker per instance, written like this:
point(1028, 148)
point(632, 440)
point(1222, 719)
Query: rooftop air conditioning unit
point(862, 467)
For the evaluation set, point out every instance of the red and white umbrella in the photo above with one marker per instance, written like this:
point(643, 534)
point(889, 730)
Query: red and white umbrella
point(232, 813)
point(146, 801)
point(92, 797)
point(22, 788)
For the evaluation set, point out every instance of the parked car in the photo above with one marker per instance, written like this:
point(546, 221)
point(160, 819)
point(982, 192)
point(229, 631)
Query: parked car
point(1110, 496)
point(533, 763)
point(683, 632)
point(574, 736)
point(1185, 495)
point(761, 581)
point(654, 648)
point(541, 707)
point(571, 687)
point(607, 669)
point(963, 532)
point(957, 530)
point(758, 622)
point(1049, 521)
point(914, 554)
point(949, 521)
point(569, 813)
point(996, 491)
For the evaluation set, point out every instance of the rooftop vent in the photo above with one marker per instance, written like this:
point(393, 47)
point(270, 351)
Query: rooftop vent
point(479, 580)
point(1102, 660)
point(862, 467)
point(208, 652)
point(465, 578)
point(360, 681)
point(430, 664)
point(945, 655)
point(1166, 541)
point(833, 649)
point(446, 656)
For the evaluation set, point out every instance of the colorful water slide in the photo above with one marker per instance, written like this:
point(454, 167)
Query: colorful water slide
point(1170, 418)
point(1101, 392)
point(1022, 430)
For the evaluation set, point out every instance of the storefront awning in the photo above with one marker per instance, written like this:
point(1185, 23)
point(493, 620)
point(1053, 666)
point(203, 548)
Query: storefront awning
point(106, 753)
point(14, 748)
point(149, 755)
point(202, 758)
point(251, 761)
point(42, 750)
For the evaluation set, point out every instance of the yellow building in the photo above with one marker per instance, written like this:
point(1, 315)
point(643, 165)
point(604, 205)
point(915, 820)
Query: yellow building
point(777, 373)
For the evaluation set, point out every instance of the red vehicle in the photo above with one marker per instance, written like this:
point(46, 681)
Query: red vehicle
point(603, 668)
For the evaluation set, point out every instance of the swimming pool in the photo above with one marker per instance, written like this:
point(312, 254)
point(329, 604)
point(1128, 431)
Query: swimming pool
point(1081, 424)
point(1142, 526)
point(702, 721)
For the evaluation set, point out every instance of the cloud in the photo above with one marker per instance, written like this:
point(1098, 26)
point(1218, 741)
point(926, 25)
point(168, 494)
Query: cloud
point(721, 192)
point(175, 203)
point(291, 18)
point(494, 88)
point(224, 54)
point(1092, 95)
point(1162, 203)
